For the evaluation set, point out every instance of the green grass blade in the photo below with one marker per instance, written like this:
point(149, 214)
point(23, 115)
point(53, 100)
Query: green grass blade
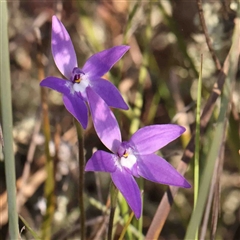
point(197, 141)
point(221, 126)
point(103, 208)
point(124, 209)
point(126, 226)
point(35, 235)
point(6, 111)
point(207, 175)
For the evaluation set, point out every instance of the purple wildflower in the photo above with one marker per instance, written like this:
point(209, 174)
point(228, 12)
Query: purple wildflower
point(74, 91)
point(133, 158)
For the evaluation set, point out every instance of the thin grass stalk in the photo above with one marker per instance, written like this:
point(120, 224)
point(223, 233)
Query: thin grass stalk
point(209, 200)
point(49, 185)
point(129, 21)
point(81, 177)
point(6, 111)
point(124, 210)
point(196, 217)
point(197, 141)
point(154, 105)
point(217, 188)
point(33, 233)
point(105, 209)
point(126, 226)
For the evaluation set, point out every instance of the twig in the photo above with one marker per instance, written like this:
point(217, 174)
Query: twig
point(102, 228)
point(204, 27)
point(28, 190)
point(27, 166)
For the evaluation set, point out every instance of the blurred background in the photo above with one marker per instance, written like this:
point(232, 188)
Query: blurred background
point(158, 79)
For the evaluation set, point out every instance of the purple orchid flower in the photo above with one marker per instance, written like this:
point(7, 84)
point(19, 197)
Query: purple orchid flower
point(74, 91)
point(133, 158)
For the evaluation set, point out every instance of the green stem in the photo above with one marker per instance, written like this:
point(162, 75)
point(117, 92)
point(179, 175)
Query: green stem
point(81, 177)
point(114, 195)
point(6, 108)
point(124, 209)
point(197, 142)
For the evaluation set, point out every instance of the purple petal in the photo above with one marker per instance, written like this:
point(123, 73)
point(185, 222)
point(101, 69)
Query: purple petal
point(58, 84)
point(151, 138)
point(77, 107)
point(105, 123)
point(129, 189)
point(101, 162)
point(157, 169)
point(101, 62)
point(109, 93)
point(62, 48)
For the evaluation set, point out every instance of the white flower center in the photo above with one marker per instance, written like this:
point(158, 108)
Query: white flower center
point(78, 82)
point(128, 160)
point(80, 87)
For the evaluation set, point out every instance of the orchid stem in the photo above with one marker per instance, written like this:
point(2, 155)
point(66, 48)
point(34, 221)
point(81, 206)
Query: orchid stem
point(114, 195)
point(81, 177)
